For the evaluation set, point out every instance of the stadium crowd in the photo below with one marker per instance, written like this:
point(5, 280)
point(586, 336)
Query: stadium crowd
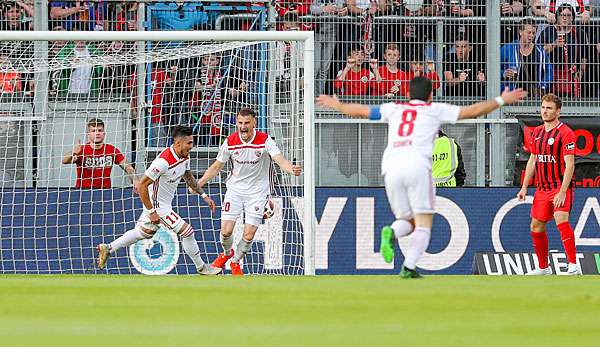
point(363, 49)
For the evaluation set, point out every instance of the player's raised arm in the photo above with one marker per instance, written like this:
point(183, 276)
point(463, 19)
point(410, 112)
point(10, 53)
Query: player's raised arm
point(191, 181)
point(286, 165)
point(485, 107)
point(352, 110)
point(211, 172)
point(71, 157)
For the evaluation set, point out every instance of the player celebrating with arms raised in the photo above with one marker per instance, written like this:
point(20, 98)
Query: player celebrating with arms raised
point(552, 160)
point(248, 186)
point(406, 163)
point(156, 190)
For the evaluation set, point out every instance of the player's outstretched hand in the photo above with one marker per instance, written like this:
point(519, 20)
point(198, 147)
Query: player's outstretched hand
point(328, 101)
point(512, 96)
point(521, 194)
point(296, 170)
point(78, 148)
point(211, 204)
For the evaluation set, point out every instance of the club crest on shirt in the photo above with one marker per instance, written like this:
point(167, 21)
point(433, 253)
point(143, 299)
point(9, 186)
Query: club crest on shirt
point(236, 153)
point(551, 141)
point(397, 83)
point(256, 208)
point(364, 79)
point(570, 146)
point(258, 153)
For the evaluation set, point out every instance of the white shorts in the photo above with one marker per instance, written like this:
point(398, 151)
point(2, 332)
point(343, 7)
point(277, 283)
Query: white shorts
point(253, 207)
point(169, 220)
point(410, 191)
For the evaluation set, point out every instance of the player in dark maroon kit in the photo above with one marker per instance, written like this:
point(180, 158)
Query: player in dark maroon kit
point(552, 161)
point(95, 159)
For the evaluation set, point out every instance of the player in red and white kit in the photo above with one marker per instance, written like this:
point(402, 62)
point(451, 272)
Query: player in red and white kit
point(95, 159)
point(406, 163)
point(552, 160)
point(250, 152)
point(156, 190)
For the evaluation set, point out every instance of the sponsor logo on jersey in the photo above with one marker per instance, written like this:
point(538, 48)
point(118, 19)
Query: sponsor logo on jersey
point(155, 256)
point(94, 162)
point(546, 158)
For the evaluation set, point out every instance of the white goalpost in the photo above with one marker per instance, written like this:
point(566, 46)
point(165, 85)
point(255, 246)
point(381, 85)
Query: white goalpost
point(57, 86)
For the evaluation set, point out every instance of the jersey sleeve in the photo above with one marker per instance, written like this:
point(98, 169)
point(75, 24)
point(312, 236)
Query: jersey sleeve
point(381, 112)
point(119, 157)
point(568, 143)
point(224, 153)
point(157, 168)
point(447, 113)
point(271, 147)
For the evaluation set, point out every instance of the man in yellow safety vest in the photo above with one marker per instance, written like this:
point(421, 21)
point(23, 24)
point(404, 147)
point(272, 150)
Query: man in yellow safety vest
point(448, 168)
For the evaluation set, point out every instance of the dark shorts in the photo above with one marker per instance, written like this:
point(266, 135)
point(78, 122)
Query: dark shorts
point(543, 209)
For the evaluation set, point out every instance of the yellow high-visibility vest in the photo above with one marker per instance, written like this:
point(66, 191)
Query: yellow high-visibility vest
point(445, 162)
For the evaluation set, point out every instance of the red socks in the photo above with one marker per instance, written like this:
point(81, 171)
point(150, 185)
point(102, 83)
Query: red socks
point(568, 239)
point(540, 244)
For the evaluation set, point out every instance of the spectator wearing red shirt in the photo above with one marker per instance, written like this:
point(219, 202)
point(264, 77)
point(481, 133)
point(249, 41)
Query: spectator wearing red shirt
point(389, 78)
point(418, 68)
point(353, 79)
point(95, 159)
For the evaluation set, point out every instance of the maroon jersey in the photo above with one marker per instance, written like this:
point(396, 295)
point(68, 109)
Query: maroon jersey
point(94, 166)
point(550, 148)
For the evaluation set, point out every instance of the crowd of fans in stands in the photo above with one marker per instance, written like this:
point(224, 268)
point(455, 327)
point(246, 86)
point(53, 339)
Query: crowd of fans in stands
point(556, 48)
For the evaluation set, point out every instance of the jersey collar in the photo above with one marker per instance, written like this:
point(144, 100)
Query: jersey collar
point(251, 139)
point(417, 102)
point(174, 154)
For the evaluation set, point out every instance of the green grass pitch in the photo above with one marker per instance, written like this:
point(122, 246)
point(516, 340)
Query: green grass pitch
point(86, 311)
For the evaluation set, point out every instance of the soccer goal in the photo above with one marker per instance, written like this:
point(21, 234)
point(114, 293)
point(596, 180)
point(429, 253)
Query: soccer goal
point(80, 112)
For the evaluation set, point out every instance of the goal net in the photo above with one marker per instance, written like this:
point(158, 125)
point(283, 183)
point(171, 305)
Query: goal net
point(113, 104)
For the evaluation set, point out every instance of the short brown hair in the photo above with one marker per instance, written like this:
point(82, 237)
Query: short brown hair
point(554, 99)
point(95, 122)
point(244, 112)
point(525, 22)
point(392, 47)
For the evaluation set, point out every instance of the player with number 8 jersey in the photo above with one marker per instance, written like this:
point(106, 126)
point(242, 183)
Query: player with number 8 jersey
point(157, 190)
point(406, 163)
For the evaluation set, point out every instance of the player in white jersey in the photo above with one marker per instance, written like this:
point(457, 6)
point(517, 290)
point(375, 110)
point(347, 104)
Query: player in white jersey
point(406, 162)
point(157, 189)
point(250, 153)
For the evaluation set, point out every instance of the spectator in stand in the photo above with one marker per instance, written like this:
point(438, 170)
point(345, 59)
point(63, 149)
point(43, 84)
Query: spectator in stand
point(285, 54)
point(80, 15)
point(206, 103)
point(12, 15)
point(510, 8)
point(295, 7)
point(463, 9)
point(548, 8)
point(325, 38)
point(10, 79)
point(420, 69)
point(566, 44)
point(524, 64)
point(83, 79)
point(353, 79)
point(178, 15)
point(463, 72)
point(126, 15)
point(389, 78)
point(157, 134)
point(358, 32)
point(95, 159)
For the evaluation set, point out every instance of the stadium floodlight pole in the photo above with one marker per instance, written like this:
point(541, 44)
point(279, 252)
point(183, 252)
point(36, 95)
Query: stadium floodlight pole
point(307, 37)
